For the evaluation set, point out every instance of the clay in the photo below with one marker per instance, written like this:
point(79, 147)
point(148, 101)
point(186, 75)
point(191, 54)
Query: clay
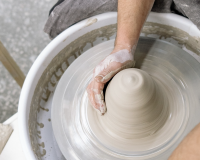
point(144, 111)
point(134, 104)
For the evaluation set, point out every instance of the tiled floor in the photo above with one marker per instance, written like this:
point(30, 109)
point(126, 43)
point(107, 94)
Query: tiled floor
point(21, 32)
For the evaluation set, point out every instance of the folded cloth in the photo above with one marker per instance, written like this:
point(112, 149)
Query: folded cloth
point(68, 12)
point(5, 132)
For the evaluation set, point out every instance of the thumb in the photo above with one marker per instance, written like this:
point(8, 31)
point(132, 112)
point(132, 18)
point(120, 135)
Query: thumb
point(112, 64)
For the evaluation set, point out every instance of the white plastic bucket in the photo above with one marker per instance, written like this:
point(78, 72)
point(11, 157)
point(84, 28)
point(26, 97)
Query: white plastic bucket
point(35, 128)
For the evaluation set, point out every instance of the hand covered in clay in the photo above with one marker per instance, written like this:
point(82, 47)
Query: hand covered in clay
point(120, 58)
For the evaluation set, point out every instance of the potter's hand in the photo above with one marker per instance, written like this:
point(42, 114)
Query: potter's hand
point(130, 19)
point(120, 58)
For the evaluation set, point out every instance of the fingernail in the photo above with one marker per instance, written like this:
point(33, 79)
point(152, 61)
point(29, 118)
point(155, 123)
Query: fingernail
point(102, 108)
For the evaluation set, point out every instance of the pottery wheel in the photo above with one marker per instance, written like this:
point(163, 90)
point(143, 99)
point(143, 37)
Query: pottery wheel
point(82, 133)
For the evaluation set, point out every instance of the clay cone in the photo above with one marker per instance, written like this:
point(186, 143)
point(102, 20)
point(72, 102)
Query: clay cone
point(134, 105)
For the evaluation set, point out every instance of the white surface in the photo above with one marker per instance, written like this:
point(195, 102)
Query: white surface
point(59, 43)
point(5, 132)
point(40, 65)
point(13, 149)
point(70, 111)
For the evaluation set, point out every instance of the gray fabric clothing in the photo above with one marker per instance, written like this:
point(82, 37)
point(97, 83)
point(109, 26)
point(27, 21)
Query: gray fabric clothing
point(68, 12)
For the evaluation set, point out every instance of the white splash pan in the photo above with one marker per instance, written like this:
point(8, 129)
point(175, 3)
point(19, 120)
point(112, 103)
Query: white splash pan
point(34, 92)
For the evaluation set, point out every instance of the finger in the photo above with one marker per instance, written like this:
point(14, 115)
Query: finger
point(99, 97)
point(90, 94)
point(96, 98)
point(112, 63)
point(111, 70)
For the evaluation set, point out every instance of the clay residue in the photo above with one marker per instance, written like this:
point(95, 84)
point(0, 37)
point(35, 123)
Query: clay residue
point(41, 145)
point(44, 109)
point(182, 37)
point(41, 125)
point(90, 21)
point(55, 69)
point(39, 134)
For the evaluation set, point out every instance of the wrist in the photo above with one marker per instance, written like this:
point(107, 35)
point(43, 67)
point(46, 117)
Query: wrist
point(129, 46)
point(124, 37)
point(126, 42)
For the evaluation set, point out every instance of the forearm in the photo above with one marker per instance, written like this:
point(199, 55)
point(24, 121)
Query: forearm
point(189, 148)
point(131, 17)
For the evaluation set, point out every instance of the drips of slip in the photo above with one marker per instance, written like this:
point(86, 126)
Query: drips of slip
point(142, 113)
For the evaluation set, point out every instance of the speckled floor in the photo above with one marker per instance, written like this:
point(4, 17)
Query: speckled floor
point(21, 32)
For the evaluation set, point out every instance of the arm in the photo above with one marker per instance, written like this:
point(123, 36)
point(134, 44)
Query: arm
point(131, 17)
point(189, 148)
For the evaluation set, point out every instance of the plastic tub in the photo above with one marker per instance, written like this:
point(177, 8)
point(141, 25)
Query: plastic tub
point(36, 97)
